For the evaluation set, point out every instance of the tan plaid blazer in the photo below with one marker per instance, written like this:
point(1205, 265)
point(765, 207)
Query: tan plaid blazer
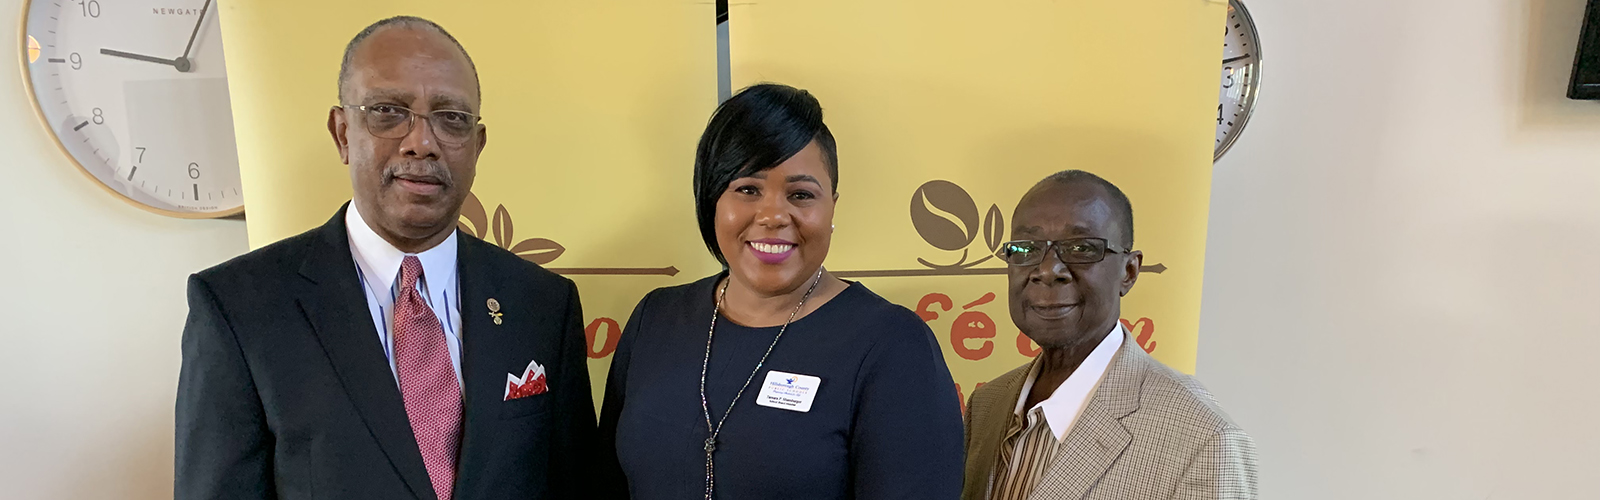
point(1148, 432)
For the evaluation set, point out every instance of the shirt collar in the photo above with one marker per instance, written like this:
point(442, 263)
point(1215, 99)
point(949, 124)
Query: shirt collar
point(1064, 405)
point(382, 260)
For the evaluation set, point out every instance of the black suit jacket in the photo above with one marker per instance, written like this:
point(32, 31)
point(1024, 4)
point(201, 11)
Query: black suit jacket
point(285, 391)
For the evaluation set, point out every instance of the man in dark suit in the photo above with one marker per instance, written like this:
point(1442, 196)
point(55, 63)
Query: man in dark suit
point(386, 355)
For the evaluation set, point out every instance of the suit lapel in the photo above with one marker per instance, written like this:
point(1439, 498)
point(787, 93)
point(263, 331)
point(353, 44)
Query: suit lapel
point(990, 419)
point(1093, 444)
point(1097, 438)
point(484, 381)
point(337, 309)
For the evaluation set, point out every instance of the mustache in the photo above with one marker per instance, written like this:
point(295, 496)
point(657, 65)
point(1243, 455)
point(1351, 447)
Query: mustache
point(430, 171)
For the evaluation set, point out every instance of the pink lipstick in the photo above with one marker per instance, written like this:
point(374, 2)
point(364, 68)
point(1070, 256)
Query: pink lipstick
point(771, 250)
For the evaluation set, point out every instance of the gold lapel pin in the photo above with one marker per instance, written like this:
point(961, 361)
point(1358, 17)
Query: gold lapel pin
point(494, 311)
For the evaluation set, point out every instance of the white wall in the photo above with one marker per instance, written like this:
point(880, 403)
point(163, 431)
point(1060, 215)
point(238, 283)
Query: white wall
point(1402, 294)
point(91, 308)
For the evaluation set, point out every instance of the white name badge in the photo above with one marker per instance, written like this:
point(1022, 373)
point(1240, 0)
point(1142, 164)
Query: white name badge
point(788, 391)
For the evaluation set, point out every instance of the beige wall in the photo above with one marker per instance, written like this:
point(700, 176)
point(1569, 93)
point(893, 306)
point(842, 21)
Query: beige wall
point(91, 308)
point(1402, 293)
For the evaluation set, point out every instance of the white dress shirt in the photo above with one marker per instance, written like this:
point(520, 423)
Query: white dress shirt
point(378, 266)
point(1062, 408)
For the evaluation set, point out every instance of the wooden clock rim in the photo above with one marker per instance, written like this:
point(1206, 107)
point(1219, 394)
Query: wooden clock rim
point(38, 112)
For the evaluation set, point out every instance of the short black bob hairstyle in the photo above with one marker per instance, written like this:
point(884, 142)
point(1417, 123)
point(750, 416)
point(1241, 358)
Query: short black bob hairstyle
point(759, 128)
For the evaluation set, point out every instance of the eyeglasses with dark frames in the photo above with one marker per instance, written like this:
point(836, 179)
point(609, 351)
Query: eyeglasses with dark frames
point(1072, 251)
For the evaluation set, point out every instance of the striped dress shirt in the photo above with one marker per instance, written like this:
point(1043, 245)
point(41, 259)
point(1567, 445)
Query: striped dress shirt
point(1032, 440)
point(1029, 449)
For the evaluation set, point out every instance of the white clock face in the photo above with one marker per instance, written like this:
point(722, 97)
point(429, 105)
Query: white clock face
point(1241, 72)
point(136, 92)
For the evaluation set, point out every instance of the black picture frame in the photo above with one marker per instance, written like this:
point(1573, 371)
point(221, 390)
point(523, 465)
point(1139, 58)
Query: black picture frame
point(1585, 82)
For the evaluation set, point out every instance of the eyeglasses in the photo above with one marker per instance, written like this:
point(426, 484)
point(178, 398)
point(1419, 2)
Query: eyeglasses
point(389, 121)
point(1074, 251)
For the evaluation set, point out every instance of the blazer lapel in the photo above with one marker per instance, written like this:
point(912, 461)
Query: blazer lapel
point(991, 416)
point(337, 310)
point(1097, 438)
point(483, 380)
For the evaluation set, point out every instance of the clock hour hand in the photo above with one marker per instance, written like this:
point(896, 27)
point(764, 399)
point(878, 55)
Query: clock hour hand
point(1232, 59)
point(179, 64)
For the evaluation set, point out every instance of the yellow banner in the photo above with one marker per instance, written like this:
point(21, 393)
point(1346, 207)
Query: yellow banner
point(946, 112)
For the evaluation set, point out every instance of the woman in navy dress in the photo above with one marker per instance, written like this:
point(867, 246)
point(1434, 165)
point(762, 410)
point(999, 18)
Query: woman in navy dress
point(774, 379)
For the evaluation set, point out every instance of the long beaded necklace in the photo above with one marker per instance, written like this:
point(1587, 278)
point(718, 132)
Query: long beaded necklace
point(711, 441)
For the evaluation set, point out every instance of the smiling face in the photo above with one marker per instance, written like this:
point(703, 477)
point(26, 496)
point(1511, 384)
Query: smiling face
point(410, 188)
point(1062, 305)
point(775, 226)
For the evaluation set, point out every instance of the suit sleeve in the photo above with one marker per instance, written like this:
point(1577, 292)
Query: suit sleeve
point(612, 484)
point(224, 448)
point(573, 435)
point(1223, 469)
point(907, 439)
point(966, 421)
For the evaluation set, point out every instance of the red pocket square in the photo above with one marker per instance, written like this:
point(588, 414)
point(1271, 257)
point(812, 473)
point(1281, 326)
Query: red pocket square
point(531, 382)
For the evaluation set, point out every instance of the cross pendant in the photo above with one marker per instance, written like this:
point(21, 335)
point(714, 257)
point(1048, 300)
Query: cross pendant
point(711, 445)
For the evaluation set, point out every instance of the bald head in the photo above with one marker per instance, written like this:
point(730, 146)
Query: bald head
point(1121, 208)
point(421, 28)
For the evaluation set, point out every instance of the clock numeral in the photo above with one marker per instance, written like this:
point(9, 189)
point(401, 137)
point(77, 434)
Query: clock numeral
point(194, 173)
point(1219, 114)
point(77, 60)
point(99, 117)
point(141, 155)
point(90, 8)
point(1228, 83)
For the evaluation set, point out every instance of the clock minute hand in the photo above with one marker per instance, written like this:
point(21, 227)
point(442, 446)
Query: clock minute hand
point(1224, 61)
point(139, 57)
point(183, 60)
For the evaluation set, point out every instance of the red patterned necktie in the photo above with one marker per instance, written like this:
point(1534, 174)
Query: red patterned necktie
point(427, 380)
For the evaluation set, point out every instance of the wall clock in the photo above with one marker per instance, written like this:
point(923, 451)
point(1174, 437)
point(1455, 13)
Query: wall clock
point(136, 94)
point(1241, 76)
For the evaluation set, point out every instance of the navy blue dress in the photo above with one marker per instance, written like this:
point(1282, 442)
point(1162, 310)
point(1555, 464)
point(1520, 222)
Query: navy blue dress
point(885, 422)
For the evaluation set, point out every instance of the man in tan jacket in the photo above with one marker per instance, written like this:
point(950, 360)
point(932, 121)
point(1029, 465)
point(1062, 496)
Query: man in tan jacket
point(1093, 416)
